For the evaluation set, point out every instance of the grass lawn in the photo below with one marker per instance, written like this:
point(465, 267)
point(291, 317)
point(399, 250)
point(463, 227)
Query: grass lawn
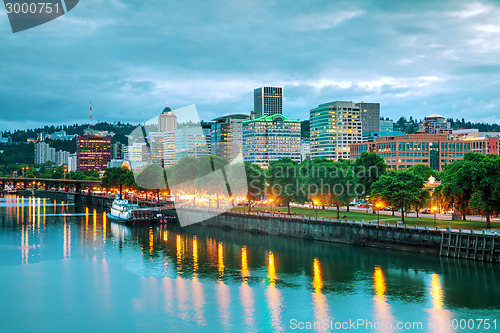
point(358, 216)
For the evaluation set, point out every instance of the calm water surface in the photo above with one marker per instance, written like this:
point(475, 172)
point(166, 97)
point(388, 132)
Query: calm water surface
point(67, 268)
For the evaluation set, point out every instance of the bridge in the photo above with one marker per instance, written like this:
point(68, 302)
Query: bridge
point(13, 184)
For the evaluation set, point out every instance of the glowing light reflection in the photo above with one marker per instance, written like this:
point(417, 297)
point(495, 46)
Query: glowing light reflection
point(319, 300)
point(273, 295)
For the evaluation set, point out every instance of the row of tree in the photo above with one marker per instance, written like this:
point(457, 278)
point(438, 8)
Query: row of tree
point(45, 170)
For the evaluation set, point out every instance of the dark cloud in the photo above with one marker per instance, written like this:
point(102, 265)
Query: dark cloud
point(415, 57)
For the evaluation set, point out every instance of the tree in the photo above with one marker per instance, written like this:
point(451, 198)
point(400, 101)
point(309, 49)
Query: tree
point(118, 177)
point(348, 180)
point(182, 175)
point(400, 188)
point(485, 197)
point(369, 167)
point(283, 181)
point(151, 178)
point(256, 182)
point(440, 200)
point(457, 183)
point(212, 176)
point(424, 171)
point(423, 200)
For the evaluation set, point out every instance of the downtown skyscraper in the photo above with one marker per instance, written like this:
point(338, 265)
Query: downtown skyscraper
point(227, 136)
point(268, 101)
point(334, 126)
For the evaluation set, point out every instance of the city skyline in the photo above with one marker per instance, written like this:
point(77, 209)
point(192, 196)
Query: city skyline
point(411, 65)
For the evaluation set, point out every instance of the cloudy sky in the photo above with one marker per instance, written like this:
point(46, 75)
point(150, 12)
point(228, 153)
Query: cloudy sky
point(132, 57)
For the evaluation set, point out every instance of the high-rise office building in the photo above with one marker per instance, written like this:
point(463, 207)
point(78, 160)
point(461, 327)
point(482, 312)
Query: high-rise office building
point(156, 147)
point(192, 140)
point(227, 137)
point(117, 151)
point(167, 120)
point(334, 126)
point(370, 116)
point(93, 152)
point(268, 101)
point(136, 152)
point(271, 138)
point(167, 124)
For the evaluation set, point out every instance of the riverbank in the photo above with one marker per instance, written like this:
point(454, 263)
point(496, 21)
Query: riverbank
point(481, 246)
point(385, 217)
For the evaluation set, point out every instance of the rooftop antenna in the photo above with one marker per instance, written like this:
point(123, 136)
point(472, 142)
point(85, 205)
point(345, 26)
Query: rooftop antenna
point(90, 112)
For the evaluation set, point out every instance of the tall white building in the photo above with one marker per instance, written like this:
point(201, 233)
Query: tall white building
point(72, 164)
point(334, 126)
point(62, 157)
point(44, 153)
point(167, 124)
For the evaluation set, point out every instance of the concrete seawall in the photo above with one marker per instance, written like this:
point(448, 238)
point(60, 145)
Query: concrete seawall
point(473, 245)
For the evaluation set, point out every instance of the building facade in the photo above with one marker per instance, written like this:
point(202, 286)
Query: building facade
point(156, 147)
point(167, 120)
point(435, 124)
point(370, 116)
point(62, 157)
point(493, 144)
point(93, 152)
point(167, 124)
point(226, 134)
point(192, 140)
point(305, 149)
point(72, 163)
point(135, 152)
point(386, 125)
point(334, 126)
point(271, 138)
point(268, 101)
point(400, 152)
point(117, 151)
point(44, 153)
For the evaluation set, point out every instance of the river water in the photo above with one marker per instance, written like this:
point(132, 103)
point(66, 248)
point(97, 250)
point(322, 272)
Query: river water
point(67, 268)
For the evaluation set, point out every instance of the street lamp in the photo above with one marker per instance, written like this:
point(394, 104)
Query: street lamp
point(271, 201)
point(316, 204)
point(378, 205)
point(434, 209)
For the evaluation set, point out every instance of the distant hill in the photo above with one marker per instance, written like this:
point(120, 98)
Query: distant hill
point(121, 129)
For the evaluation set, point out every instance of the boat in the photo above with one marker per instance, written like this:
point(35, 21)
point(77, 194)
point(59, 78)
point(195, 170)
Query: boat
point(123, 211)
